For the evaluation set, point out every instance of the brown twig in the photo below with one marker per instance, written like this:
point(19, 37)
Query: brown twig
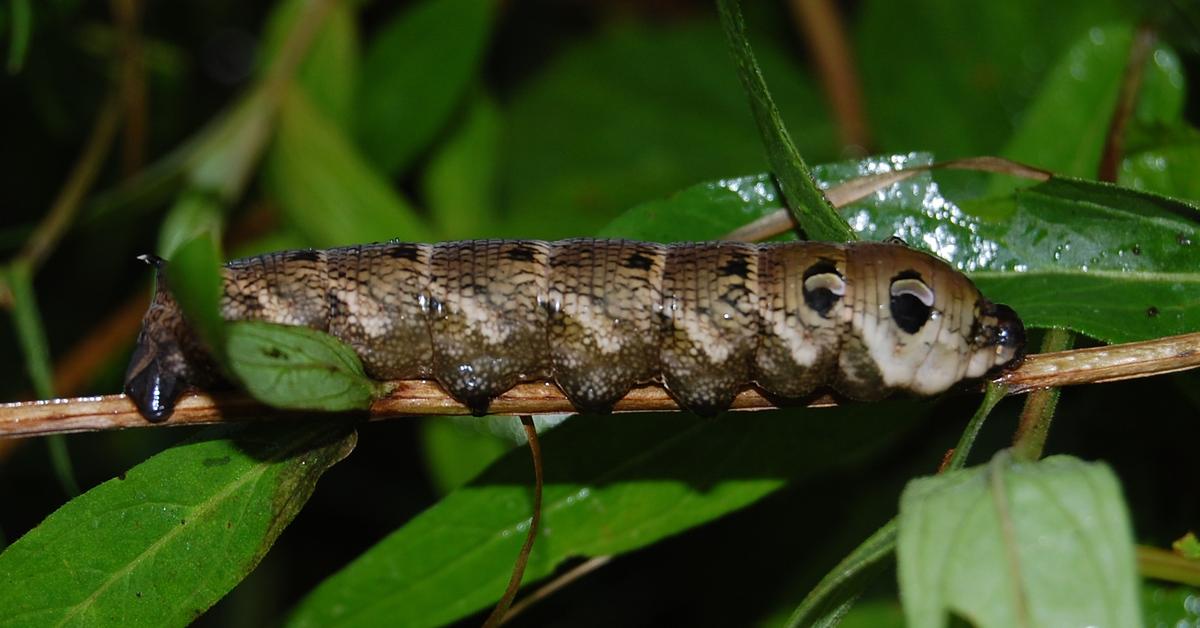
point(825, 34)
point(553, 586)
point(411, 398)
point(514, 583)
point(1131, 84)
point(1165, 565)
point(132, 72)
point(75, 369)
point(1098, 365)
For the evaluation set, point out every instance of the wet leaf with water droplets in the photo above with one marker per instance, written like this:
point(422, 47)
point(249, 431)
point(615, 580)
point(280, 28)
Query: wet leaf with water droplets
point(1091, 257)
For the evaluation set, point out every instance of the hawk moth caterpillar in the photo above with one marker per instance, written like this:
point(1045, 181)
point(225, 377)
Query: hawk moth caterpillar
point(598, 317)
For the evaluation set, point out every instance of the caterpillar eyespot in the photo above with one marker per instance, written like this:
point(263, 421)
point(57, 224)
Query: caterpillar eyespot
point(911, 302)
point(599, 317)
point(823, 286)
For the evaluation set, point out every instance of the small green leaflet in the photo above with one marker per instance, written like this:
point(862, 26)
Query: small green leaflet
point(297, 367)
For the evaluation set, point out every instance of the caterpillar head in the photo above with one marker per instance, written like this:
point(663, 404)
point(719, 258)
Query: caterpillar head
point(920, 325)
point(168, 357)
point(150, 381)
point(999, 340)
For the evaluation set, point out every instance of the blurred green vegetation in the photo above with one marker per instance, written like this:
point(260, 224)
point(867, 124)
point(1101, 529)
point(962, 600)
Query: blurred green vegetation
point(439, 119)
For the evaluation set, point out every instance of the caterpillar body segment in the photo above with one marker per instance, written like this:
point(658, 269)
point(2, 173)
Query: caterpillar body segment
point(599, 317)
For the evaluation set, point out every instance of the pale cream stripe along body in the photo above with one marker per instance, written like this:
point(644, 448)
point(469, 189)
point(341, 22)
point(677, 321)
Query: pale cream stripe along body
point(601, 316)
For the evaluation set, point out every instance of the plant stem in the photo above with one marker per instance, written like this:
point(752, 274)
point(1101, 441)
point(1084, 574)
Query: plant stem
point(846, 581)
point(32, 337)
point(423, 398)
point(995, 392)
point(823, 29)
point(1161, 564)
point(843, 584)
point(1030, 439)
point(1131, 83)
point(518, 572)
point(809, 206)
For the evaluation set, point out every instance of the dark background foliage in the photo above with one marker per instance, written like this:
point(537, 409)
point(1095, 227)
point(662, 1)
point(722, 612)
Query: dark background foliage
point(548, 119)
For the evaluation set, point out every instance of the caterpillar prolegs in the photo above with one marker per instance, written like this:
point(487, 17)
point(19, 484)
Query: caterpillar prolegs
point(599, 317)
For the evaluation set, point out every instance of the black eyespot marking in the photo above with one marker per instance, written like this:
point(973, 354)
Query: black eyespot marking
point(909, 313)
point(520, 253)
point(737, 266)
point(303, 255)
point(1152, 311)
point(895, 239)
point(637, 261)
point(404, 251)
point(823, 287)
point(912, 301)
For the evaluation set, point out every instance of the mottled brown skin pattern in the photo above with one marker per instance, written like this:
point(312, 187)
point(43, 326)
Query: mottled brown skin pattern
point(602, 316)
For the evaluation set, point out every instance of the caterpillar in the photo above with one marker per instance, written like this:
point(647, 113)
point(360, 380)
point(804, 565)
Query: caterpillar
point(599, 317)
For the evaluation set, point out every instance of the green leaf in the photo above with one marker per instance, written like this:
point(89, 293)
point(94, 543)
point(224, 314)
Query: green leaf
point(1065, 127)
point(643, 478)
point(702, 212)
point(20, 30)
point(329, 72)
point(830, 599)
point(460, 183)
point(1116, 264)
point(1018, 544)
point(325, 187)
point(874, 614)
point(166, 540)
point(217, 160)
point(195, 213)
point(953, 77)
point(31, 334)
point(637, 113)
point(417, 68)
point(808, 205)
point(456, 453)
point(1187, 546)
point(226, 152)
point(1174, 606)
point(194, 279)
point(297, 367)
point(1166, 164)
